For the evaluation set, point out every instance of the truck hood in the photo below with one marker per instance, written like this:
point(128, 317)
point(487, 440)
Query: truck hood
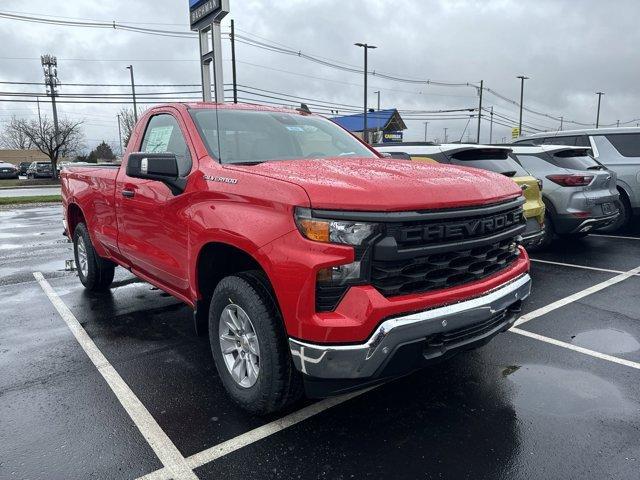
point(381, 184)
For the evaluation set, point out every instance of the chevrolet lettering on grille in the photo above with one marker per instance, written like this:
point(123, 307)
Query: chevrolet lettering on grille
point(476, 227)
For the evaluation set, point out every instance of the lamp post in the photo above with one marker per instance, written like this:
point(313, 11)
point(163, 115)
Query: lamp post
point(366, 47)
point(522, 79)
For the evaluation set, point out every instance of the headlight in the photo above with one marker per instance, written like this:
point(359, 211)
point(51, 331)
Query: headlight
point(332, 231)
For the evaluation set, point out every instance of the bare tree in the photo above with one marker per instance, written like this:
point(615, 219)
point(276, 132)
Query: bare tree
point(128, 123)
point(14, 137)
point(42, 136)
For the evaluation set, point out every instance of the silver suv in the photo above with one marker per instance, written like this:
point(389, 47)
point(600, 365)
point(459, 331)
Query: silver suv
point(616, 148)
point(580, 193)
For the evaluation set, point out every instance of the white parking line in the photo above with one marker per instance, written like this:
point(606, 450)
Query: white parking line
point(173, 461)
point(252, 436)
point(575, 348)
point(614, 236)
point(576, 296)
point(573, 265)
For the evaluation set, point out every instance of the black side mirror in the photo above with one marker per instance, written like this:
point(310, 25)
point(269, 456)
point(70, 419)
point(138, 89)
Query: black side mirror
point(161, 167)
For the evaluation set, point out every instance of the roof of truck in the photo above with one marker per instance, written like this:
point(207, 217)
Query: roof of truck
point(234, 106)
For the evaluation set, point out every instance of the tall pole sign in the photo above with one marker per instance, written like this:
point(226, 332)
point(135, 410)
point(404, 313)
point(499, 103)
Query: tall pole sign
point(205, 17)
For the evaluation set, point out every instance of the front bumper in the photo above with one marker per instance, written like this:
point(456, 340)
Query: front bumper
point(439, 331)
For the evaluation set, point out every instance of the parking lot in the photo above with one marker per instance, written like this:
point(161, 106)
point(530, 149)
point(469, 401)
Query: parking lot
point(117, 385)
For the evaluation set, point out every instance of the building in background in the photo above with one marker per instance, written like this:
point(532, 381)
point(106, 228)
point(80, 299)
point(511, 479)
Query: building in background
point(16, 157)
point(383, 125)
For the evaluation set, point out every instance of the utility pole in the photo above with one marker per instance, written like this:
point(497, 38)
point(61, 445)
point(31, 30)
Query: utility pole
point(133, 91)
point(366, 47)
point(445, 135)
point(598, 114)
point(426, 126)
point(120, 136)
point(480, 109)
point(377, 92)
point(491, 127)
point(39, 116)
point(233, 62)
point(561, 122)
point(522, 79)
point(50, 69)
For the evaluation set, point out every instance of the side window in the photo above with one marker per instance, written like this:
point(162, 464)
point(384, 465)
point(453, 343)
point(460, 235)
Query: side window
point(627, 144)
point(163, 135)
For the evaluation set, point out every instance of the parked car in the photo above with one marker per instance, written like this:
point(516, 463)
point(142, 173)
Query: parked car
point(618, 149)
point(579, 192)
point(312, 261)
point(8, 170)
point(23, 167)
point(39, 170)
point(493, 158)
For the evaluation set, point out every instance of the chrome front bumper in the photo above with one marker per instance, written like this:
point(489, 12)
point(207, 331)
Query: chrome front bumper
point(365, 359)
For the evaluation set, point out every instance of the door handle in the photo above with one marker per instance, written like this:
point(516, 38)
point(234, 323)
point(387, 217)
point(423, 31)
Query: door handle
point(128, 193)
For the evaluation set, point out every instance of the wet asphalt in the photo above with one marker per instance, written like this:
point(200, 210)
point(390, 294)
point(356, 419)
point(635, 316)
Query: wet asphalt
point(517, 408)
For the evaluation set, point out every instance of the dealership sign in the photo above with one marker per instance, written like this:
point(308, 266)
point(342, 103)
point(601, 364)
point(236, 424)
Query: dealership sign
point(392, 137)
point(204, 12)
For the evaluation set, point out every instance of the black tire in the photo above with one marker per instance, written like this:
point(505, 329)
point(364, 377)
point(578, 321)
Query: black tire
point(99, 272)
point(278, 383)
point(624, 218)
point(549, 232)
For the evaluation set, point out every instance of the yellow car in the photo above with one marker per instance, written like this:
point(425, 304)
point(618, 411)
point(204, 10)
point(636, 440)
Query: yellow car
point(493, 158)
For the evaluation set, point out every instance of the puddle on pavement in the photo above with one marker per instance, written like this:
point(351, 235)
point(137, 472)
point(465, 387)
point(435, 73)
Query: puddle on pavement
point(608, 340)
point(547, 390)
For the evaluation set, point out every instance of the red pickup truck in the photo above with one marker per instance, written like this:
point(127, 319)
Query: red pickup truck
point(313, 262)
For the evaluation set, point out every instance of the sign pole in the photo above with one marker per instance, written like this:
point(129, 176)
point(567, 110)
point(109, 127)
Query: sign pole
point(205, 17)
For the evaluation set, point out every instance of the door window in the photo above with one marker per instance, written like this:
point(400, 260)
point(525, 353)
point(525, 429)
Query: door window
point(163, 135)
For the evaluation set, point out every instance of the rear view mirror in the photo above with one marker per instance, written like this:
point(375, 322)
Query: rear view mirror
point(161, 167)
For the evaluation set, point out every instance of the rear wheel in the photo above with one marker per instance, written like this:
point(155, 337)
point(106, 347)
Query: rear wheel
point(96, 274)
point(549, 232)
point(624, 206)
point(249, 345)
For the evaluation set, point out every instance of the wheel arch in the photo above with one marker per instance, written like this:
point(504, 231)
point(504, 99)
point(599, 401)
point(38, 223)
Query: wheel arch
point(216, 260)
point(74, 217)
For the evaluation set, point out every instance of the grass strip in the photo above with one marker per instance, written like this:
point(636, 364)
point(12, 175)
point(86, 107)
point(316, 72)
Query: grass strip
point(30, 199)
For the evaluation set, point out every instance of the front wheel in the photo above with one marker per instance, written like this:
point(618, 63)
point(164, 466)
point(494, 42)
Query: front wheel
point(96, 274)
point(249, 345)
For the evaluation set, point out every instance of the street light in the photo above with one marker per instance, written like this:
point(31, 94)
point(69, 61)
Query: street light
point(598, 114)
point(366, 48)
point(522, 79)
point(133, 90)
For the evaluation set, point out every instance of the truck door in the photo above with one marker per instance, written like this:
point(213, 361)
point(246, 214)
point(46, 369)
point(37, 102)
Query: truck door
point(152, 228)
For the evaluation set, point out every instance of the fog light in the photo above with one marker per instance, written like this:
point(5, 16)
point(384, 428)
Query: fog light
point(339, 275)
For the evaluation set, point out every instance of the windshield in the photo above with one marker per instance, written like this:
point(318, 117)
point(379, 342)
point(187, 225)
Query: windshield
point(249, 136)
point(494, 160)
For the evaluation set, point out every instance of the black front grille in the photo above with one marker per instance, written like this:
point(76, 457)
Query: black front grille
point(442, 252)
point(442, 270)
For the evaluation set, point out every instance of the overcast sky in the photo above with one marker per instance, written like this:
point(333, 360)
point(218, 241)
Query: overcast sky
point(569, 49)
